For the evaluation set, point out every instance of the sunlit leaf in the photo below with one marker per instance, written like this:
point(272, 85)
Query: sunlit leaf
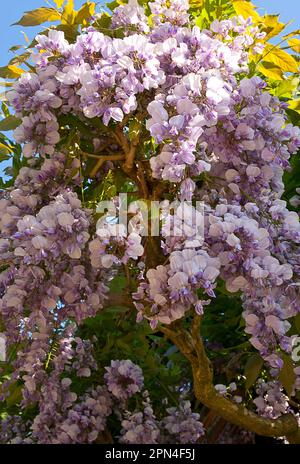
point(270, 70)
point(292, 34)
point(294, 44)
point(10, 72)
point(59, 3)
point(4, 150)
point(17, 60)
point(85, 12)
point(286, 88)
point(194, 3)
point(271, 26)
point(295, 104)
point(245, 9)
point(134, 129)
point(69, 14)
point(280, 58)
point(38, 16)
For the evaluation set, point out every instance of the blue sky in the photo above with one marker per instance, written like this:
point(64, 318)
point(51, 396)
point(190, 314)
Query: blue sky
point(11, 11)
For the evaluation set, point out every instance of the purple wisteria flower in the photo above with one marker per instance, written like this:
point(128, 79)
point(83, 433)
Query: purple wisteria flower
point(124, 379)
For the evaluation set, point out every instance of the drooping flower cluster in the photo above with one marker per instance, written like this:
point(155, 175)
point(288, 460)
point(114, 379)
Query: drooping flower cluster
point(123, 379)
point(131, 16)
point(140, 427)
point(172, 289)
point(271, 401)
point(182, 425)
point(65, 418)
point(114, 246)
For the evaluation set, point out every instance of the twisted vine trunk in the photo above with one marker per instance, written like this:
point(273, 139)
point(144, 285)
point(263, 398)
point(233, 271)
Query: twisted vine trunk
point(191, 346)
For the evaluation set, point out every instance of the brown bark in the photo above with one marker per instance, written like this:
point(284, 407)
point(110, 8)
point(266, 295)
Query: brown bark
point(191, 346)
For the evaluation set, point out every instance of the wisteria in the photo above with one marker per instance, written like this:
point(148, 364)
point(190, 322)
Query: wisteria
point(174, 113)
point(182, 425)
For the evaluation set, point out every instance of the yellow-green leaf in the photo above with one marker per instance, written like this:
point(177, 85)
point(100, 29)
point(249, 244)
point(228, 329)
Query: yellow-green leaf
point(85, 12)
point(292, 34)
point(134, 129)
point(38, 16)
point(245, 9)
point(287, 87)
point(59, 3)
point(270, 70)
point(294, 44)
point(280, 58)
point(295, 105)
point(69, 14)
point(271, 26)
point(17, 60)
point(4, 150)
point(10, 72)
point(15, 70)
point(6, 84)
point(196, 3)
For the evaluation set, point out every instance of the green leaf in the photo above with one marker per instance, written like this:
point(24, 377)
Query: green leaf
point(134, 129)
point(294, 117)
point(287, 375)
point(116, 309)
point(15, 48)
point(19, 59)
point(70, 32)
point(38, 16)
point(4, 153)
point(118, 284)
point(287, 88)
point(85, 12)
point(297, 322)
point(5, 110)
point(9, 123)
point(103, 22)
point(252, 370)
